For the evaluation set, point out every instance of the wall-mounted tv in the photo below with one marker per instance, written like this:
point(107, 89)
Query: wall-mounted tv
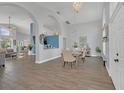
point(51, 42)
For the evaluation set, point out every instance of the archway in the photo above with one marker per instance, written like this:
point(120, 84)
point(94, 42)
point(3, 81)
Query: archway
point(37, 13)
point(34, 22)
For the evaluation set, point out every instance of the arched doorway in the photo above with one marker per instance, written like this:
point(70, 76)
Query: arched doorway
point(32, 26)
point(40, 14)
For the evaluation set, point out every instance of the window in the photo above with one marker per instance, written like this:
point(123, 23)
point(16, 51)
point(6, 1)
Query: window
point(4, 32)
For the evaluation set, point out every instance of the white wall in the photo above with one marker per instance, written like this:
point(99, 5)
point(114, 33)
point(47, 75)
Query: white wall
point(49, 54)
point(23, 30)
point(106, 30)
point(24, 26)
point(116, 37)
point(21, 36)
point(93, 32)
point(112, 7)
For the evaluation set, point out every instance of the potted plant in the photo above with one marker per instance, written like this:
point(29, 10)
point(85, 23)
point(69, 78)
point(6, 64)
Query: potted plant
point(30, 48)
point(4, 44)
point(98, 50)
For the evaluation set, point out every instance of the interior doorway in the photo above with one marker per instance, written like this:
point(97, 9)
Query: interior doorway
point(64, 43)
point(21, 38)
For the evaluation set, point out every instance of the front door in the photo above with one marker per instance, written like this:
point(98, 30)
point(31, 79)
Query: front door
point(120, 43)
point(117, 49)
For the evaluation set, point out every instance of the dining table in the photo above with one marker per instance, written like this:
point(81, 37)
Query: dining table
point(77, 54)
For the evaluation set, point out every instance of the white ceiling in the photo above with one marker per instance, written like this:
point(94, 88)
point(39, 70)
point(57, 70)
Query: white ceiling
point(17, 14)
point(89, 11)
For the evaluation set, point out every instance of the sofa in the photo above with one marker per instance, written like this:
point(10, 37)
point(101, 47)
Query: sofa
point(10, 53)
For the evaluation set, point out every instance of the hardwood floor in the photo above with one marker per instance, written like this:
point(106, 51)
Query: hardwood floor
point(25, 74)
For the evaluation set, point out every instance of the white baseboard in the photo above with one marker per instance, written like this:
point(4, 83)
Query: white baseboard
point(93, 55)
point(108, 70)
point(39, 62)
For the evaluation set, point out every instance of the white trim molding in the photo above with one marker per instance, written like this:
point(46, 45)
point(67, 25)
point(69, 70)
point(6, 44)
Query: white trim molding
point(46, 60)
point(119, 5)
point(108, 70)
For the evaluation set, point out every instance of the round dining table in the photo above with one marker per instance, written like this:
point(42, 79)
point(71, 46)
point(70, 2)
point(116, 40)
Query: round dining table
point(76, 55)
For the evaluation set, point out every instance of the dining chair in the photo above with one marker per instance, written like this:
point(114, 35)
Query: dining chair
point(68, 57)
point(83, 55)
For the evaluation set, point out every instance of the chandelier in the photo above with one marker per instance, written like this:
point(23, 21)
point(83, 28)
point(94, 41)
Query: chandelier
point(9, 24)
point(77, 6)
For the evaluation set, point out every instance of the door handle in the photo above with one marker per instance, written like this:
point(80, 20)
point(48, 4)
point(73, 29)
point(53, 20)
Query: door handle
point(117, 54)
point(116, 60)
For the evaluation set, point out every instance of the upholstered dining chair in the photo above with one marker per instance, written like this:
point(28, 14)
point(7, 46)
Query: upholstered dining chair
point(83, 55)
point(68, 57)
